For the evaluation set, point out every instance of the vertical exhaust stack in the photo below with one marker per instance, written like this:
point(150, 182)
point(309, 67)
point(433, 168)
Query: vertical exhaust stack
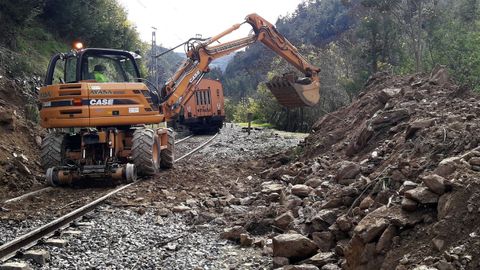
point(292, 92)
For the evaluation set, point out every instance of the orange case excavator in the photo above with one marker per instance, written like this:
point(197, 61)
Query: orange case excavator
point(104, 122)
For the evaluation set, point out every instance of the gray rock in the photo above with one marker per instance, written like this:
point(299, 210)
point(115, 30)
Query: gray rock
point(314, 182)
point(293, 246)
point(324, 240)
point(347, 170)
point(40, 256)
point(321, 259)
point(233, 233)
point(409, 205)
point(284, 220)
point(370, 228)
point(301, 190)
point(300, 267)
point(435, 183)
point(422, 195)
point(280, 261)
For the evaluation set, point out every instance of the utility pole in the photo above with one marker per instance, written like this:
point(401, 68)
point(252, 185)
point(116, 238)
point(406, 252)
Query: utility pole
point(153, 65)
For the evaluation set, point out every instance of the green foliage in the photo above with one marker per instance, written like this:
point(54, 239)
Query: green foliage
point(99, 23)
point(14, 15)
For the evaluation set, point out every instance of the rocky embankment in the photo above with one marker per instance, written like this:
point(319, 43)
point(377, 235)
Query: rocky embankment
point(388, 182)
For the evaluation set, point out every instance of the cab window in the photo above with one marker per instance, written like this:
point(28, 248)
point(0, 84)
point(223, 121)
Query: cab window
point(108, 68)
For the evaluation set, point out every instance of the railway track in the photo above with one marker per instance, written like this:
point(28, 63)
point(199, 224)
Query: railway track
point(38, 235)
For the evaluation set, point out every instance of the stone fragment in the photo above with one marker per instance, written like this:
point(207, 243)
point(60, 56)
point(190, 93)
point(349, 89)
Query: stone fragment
point(409, 205)
point(371, 228)
point(7, 119)
point(314, 182)
point(344, 223)
point(300, 267)
point(347, 170)
point(15, 266)
point(424, 267)
point(56, 242)
point(435, 183)
point(293, 246)
point(447, 166)
point(386, 94)
point(444, 265)
point(270, 187)
point(416, 126)
point(323, 219)
point(474, 161)
point(439, 76)
point(341, 247)
point(163, 212)
point(422, 195)
point(301, 190)
point(407, 185)
point(246, 240)
point(438, 243)
point(445, 205)
point(321, 259)
point(385, 241)
point(324, 240)
point(366, 203)
point(233, 233)
point(180, 208)
point(331, 266)
point(39, 256)
point(283, 221)
point(280, 261)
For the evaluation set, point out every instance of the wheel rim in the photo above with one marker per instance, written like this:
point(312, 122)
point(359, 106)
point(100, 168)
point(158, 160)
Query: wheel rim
point(51, 177)
point(155, 154)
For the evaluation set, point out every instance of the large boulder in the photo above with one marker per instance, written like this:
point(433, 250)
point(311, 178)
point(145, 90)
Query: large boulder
point(422, 195)
point(293, 246)
point(347, 170)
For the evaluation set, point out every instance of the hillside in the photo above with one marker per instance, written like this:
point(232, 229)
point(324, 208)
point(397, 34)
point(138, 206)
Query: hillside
point(351, 40)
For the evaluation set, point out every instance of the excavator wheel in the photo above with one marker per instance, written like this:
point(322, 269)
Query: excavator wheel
point(52, 150)
point(145, 152)
point(167, 159)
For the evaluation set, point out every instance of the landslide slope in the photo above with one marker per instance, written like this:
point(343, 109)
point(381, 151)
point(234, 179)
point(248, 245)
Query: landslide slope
point(392, 180)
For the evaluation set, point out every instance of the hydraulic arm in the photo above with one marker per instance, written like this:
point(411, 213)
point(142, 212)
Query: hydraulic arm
point(289, 90)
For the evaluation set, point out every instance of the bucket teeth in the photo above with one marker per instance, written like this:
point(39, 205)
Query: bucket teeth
point(292, 92)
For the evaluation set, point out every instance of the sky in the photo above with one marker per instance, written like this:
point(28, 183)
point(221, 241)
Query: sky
point(176, 21)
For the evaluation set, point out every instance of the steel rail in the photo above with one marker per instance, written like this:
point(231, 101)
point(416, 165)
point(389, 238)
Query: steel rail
point(10, 249)
point(181, 140)
point(21, 197)
point(196, 149)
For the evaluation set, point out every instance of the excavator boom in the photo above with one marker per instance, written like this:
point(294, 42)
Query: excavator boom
point(289, 90)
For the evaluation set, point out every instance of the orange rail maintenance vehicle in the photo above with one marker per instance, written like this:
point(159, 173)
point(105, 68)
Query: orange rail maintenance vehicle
point(204, 111)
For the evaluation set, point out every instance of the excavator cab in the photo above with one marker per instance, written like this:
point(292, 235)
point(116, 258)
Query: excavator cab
point(93, 65)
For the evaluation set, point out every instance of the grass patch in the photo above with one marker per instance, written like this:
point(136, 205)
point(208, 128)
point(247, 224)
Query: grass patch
point(254, 125)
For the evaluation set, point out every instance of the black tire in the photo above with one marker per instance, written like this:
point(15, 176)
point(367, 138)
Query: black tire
point(167, 154)
point(52, 150)
point(145, 152)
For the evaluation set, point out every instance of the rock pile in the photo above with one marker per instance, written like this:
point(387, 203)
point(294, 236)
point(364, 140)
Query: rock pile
point(388, 182)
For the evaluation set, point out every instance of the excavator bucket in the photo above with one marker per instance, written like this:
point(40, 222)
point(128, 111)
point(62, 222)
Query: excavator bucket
point(292, 92)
